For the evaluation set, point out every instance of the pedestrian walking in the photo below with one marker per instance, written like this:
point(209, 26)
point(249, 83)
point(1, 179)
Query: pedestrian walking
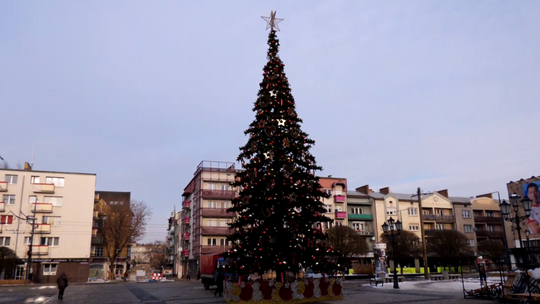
point(62, 282)
point(483, 276)
point(219, 283)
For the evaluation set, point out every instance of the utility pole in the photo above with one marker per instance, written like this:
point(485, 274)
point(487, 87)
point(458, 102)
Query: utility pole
point(422, 233)
point(33, 218)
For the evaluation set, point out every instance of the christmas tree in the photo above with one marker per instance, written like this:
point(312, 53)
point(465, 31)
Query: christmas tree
point(279, 208)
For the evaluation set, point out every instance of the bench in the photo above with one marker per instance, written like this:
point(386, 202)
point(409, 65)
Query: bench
point(375, 280)
point(436, 277)
point(454, 276)
point(391, 279)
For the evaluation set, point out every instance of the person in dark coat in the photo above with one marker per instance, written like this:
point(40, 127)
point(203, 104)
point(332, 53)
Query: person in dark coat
point(62, 282)
point(219, 283)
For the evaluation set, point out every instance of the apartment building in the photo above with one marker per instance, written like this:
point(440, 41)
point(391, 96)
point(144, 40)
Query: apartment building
point(60, 205)
point(99, 263)
point(174, 242)
point(336, 204)
point(204, 228)
point(360, 216)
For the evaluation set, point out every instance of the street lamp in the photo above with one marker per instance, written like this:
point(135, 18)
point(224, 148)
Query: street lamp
point(393, 228)
point(515, 218)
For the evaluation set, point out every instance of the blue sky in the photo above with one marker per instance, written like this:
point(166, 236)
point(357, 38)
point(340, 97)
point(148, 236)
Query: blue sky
point(405, 94)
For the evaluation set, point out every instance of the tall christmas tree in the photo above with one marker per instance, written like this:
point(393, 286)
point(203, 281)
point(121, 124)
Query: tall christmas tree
point(280, 213)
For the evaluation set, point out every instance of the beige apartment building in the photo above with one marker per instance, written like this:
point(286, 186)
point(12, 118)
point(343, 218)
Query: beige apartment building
point(204, 223)
point(336, 204)
point(60, 204)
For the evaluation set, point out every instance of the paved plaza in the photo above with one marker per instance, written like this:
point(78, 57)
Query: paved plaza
point(187, 292)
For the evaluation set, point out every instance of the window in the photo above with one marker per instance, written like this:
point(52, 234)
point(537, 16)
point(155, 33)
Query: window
point(491, 228)
point(328, 208)
point(226, 204)
point(339, 208)
point(97, 251)
point(466, 213)
point(11, 179)
point(4, 241)
point(57, 181)
point(8, 199)
point(357, 210)
point(338, 192)
point(6, 219)
point(489, 213)
point(213, 222)
point(471, 242)
point(49, 269)
point(328, 191)
point(27, 240)
point(212, 204)
point(358, 226)
point(390, 212)
point(51, 220)
point(211, 242)
point(50, 241)
point(439, 227)
point(413, 211)
point(414, 227)
point(467, 228)
point(439, 212)
point(225, 187)
point(33, 199)
point(34, 180)
point(54, 200)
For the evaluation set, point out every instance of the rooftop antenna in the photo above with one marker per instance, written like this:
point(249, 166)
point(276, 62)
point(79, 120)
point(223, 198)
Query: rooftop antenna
point(32, 159)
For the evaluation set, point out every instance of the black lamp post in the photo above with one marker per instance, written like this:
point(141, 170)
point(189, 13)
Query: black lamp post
point(393, 228)
point(514, 217)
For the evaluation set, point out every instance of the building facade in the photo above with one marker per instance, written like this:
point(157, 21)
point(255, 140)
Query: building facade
point(204, 228)
point(46, 217)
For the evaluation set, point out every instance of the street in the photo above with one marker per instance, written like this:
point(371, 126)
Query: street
point(186, 292)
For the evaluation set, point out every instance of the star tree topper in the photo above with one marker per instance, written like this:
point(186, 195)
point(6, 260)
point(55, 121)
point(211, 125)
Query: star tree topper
point(272, 21)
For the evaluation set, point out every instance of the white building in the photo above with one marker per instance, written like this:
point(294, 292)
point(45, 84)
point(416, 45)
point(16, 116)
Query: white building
point(61, 206)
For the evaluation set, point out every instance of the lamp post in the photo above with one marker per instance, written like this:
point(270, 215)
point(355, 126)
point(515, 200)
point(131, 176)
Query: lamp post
point(393, 228)
point(514, 217)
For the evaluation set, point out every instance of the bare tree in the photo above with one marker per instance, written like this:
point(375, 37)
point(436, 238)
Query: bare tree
point(407, 246)
point(8, 262)
point(345, 240)
point(158, 255)
point(493, 250)
point(122, 225)
point(451, 245)
point(4, 164)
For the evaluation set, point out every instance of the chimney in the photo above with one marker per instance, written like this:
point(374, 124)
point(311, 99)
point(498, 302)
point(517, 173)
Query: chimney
point(443, 192)
point(385, 190)
point(363, 189)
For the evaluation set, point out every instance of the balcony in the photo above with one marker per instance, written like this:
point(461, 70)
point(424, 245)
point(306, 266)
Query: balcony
point(364, 217)
point(211, 249)
point(2, 206)
point(185, 253)
point(43, 188)
point(488, 219)
point(364, 232)
point(42, 228)
point(210, 230)
point(42, 208)
point(339, 198)
point(186, 204)
point(185, 220)
point(216, 212)
point(220, 194)
point(185, 235)
point(340, 215)
point(39, 249)
point(439, 218)
point(3, 186)
point(492, 234)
